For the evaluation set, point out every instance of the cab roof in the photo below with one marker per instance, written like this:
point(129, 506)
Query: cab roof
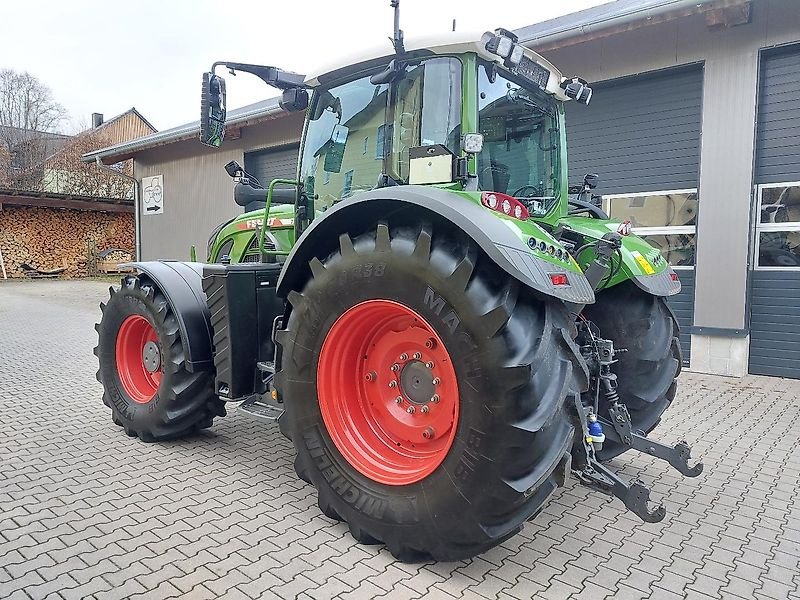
point(451, 43)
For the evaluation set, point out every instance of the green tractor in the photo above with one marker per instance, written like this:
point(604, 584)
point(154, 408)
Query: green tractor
point(445, 334)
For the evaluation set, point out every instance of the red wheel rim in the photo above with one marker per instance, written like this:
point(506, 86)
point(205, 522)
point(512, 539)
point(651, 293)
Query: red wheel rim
point(138, 381)
point(388, 392)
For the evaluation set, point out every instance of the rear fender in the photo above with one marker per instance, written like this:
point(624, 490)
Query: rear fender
point(182, 285)
point(501, 243)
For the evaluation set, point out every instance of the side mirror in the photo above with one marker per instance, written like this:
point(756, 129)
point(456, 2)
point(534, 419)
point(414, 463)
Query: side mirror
point(294, 100)
point(591, 180)
point(212, 110)
point(234, 169)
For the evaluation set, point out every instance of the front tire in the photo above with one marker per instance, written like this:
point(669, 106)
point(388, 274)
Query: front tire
point(455, 476)
point(146, 384)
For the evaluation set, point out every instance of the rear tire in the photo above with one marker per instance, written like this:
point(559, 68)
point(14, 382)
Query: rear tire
point(515, 368)
point(153, 397)
point(647, 373)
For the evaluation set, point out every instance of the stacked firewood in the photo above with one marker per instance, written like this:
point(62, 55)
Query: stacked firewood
point(48, 238)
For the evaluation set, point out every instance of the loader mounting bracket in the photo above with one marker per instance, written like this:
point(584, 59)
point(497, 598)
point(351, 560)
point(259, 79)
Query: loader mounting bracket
point(620, 430)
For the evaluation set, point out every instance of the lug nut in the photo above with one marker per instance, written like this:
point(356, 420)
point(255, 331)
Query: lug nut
point(395, 367)
point(404, 356)
point(410, 410)
point(417, 355)
point(428, 433)
point(436, 381)
point(435, 398)
point(398, 400)
point(429, 364)
point(392, 384)
point(430, 343)
point(372, 376)
point(424, 408)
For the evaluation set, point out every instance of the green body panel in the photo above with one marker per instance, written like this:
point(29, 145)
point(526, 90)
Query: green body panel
point(242, 230)
point(469, 103)
point(530, 233)
point(638, 256)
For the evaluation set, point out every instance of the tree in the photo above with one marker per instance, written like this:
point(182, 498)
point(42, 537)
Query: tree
point(66, 174)
point(28, 117)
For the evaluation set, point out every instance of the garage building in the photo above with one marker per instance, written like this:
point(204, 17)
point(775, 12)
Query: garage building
point(694, 129)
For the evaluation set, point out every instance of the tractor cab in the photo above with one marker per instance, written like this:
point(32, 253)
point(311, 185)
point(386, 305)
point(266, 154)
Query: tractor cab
point(473, 113)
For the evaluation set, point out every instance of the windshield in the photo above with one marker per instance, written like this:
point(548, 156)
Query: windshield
point(520, 141)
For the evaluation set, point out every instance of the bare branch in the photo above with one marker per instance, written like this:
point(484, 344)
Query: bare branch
point(29, 116)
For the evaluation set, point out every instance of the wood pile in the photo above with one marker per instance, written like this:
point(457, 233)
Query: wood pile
point(109, 260)
point(49, 238)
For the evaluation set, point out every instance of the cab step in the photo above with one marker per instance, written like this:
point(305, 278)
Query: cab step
point(267, 367)
point(259, 408)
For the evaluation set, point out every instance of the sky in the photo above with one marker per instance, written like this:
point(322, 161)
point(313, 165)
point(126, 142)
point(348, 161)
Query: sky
point(108, 55)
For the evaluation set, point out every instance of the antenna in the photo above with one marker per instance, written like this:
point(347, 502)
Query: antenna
point(397, 40)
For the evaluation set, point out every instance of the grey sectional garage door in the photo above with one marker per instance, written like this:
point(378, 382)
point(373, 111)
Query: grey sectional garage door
point(272, 164)
point(639, 133)
point(642, 134)
point(775, 281)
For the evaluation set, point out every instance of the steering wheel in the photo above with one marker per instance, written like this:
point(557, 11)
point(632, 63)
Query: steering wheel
point(525, 188)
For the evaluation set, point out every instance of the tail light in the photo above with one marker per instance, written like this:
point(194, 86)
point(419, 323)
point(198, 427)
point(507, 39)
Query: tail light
point(674, 276)
point(505, 204)
point(559, 279)
point(624, 228)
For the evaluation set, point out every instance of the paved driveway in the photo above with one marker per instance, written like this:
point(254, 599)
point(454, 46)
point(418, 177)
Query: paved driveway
point(88, 512)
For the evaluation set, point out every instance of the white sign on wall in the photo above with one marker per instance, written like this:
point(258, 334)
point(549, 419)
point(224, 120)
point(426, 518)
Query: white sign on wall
point(153, 195)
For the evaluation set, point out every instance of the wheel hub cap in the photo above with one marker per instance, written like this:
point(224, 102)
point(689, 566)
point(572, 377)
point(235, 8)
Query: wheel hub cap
point(388, 392)
point(416, 382)
point(151, 356)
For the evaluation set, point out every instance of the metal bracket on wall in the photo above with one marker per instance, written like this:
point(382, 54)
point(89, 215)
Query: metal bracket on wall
point(718, 331)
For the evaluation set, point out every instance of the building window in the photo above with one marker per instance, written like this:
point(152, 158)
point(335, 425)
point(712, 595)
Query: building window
point(380, 142)
point(347, 188)
point(778, 226)
point(326, 177)
point(668, 220)
point(366, 145)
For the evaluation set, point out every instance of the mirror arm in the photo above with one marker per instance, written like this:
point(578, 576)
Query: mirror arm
point(272, 76)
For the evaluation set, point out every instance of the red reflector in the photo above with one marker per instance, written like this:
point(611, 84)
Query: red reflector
point(559, 279)
point(505, 204)
point(624, 228)
point(673, 276)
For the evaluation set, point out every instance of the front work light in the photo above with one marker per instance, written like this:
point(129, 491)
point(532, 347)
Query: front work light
point(576, 88)
point(472, 143)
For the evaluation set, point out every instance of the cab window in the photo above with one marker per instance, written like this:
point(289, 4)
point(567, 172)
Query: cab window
point(426, 110)
point(341, 144)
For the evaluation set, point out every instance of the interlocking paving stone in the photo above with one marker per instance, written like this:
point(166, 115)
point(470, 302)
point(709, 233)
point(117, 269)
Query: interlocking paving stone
point(86, 512)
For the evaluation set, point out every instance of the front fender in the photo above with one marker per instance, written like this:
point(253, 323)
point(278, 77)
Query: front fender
point(502, 243)
point(182, 285)
point(641, 263)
